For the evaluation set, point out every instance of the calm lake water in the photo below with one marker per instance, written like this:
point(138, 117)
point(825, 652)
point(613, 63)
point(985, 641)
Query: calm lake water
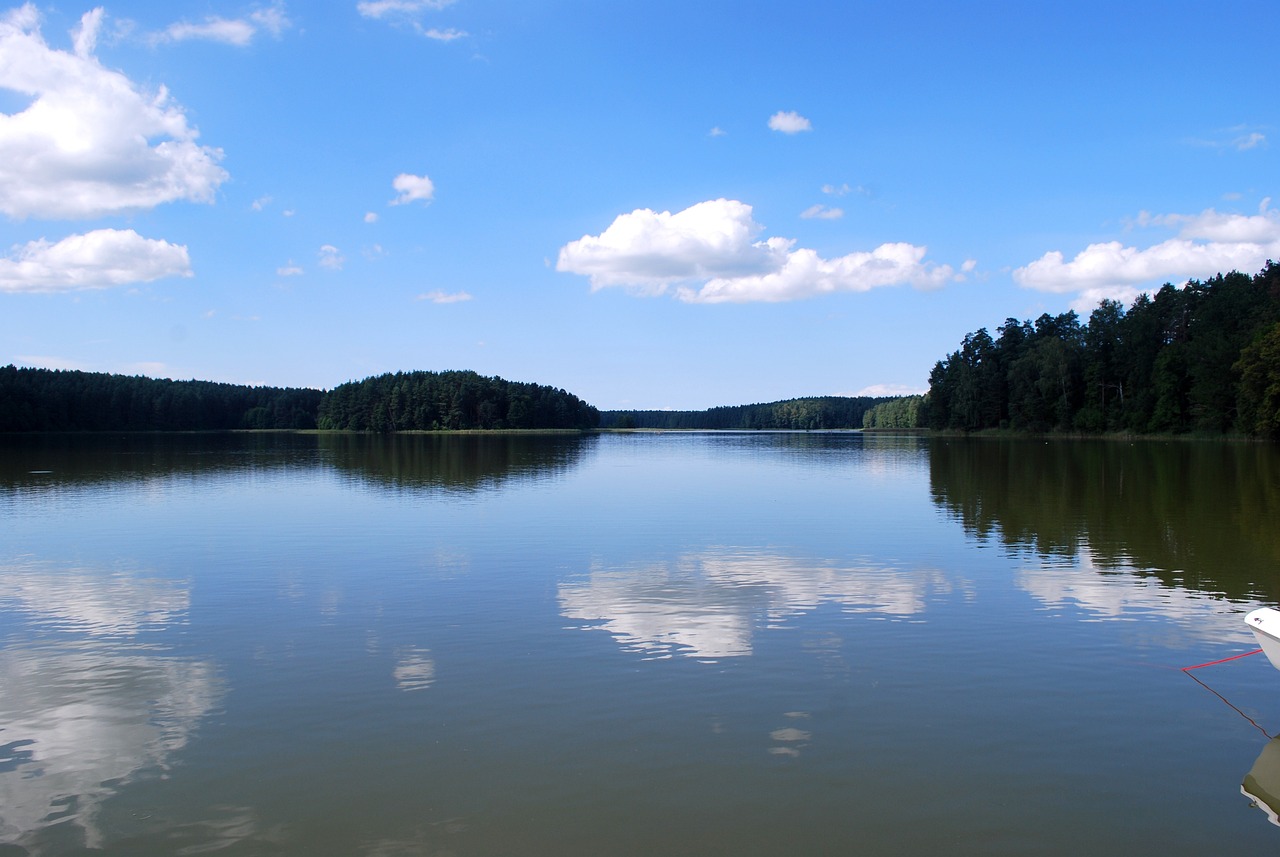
point(649, 644)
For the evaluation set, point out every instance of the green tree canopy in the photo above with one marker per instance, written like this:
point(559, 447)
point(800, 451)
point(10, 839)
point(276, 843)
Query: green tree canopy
point(442, 401)
point(1196, 358)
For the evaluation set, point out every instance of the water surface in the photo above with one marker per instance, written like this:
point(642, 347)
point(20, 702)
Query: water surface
point(632, 644)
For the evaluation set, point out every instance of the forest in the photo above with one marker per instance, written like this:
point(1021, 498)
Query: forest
point(61, 400)
point(1203, 358)
point(823, 412)
point(902, 413)
point(48, 400)
point(443, 401)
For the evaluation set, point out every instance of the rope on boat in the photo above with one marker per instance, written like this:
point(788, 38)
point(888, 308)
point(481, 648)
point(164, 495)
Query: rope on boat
point(1222, 661)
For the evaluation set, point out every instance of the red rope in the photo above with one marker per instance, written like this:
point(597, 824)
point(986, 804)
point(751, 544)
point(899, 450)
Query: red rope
point(1223, 661)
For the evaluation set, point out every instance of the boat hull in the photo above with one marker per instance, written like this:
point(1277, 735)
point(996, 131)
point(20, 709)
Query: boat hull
point(1265, 625)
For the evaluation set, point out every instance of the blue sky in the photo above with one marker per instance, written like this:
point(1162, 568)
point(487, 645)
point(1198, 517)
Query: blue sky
point(651, 205)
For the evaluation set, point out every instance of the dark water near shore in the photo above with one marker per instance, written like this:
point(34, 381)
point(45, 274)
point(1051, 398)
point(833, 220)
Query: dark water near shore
point(651, 644)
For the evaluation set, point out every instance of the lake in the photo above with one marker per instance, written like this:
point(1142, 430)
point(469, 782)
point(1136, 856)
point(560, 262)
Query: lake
point(634, 644)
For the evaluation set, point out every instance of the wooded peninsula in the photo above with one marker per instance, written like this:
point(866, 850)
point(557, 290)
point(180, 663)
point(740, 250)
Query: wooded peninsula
point(56, 400)
point(1203, 358)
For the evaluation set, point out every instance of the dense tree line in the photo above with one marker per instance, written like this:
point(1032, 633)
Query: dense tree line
point(57, 400)
point(824, 412)
point(436, 401)
point(1204, 357)
point(900, 413)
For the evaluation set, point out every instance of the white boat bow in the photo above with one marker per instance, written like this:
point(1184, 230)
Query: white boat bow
point(1265, 625)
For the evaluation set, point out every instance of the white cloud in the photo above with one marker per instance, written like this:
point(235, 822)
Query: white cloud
point(1242, 138)
point(822, 212)
point(440, 297)
point(446, 35)
point(412, 189)
point(846, 189)
point(261, 202)
point(289, 270)
point(891, 390)
point(330, 257)
point(409, 13)
point(379, 9)
point(1207, 243)
point(717, 131)
point(91, 142)
point(789, 122)
point(370, 217)
point(806, 274)
point(652, 249)
point(229, 31)
point(709, 252)
point(1210, 225)
point(95, 260)
point(1249, 141)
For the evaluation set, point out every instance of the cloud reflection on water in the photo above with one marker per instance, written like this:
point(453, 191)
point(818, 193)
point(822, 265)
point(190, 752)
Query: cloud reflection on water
point(708, 604)
point(414, 669)
point(81, 713)
point(91, 602)
point(1112, 594)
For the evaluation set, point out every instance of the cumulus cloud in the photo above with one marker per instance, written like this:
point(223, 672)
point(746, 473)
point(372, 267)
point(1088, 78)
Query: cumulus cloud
point(230, 31)
point(370, 217)
point(91, 142)
point(95, 260)
point(412, 189)
point(822, 212)
point(806, 274)
point(789, 122)
point(655, 249)
point(289, 270)
point(1206, 244)
point(710, 253)
point(440, 297)
point(330, 257)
